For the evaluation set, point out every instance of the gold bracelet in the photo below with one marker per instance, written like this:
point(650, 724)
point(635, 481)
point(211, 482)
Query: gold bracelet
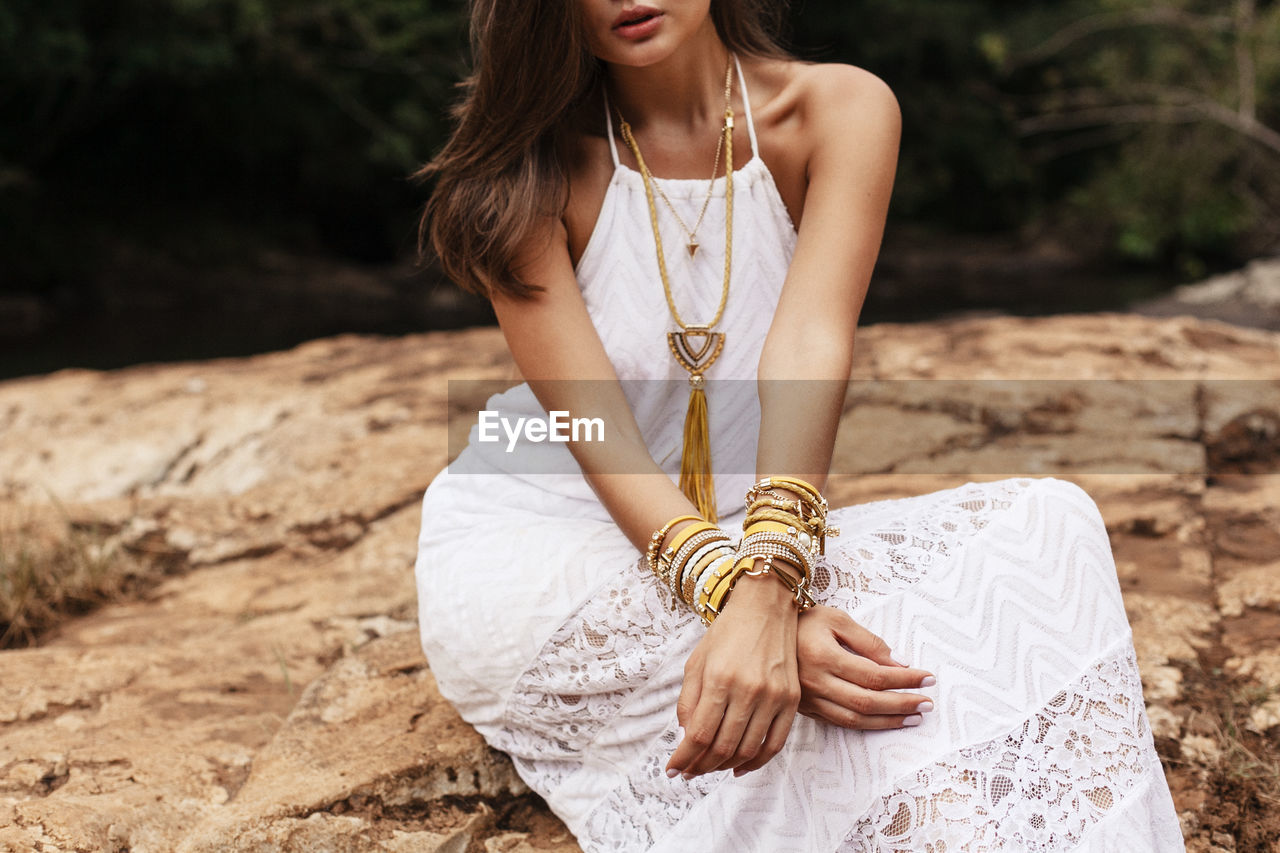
point(655, 541)
point(808, 495)
point(810, 530)
point(675, 566)
point(793, 506)
point(796, 508)
point(805, 489)
point(704, 607)
point(690, 584)
point(799, 591)
point(789, 551)
point(683, 536)
point(809, 498)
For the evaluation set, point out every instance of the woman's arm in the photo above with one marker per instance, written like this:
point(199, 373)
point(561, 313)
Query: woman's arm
point(805, 365)
point(853, 123)
point(559, 353)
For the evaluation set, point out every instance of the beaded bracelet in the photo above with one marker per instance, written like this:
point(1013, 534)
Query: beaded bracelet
point(780, 547)
point(807, 492)
point(668, 555)
point(701, 567)
point(773, 529)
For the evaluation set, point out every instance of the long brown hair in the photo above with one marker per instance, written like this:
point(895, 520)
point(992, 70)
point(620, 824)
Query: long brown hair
point(502, 171)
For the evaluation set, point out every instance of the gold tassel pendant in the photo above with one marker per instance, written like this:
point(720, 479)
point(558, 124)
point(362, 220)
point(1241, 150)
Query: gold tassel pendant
point(695, 462)
point(697, 348)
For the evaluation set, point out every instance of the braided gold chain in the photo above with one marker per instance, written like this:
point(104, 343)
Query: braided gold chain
point(727, 133)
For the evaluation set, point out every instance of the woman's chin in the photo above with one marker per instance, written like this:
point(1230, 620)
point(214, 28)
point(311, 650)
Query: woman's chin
point(637, 54)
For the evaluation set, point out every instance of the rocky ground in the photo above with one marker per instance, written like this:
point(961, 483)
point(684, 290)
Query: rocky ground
point(268, 693)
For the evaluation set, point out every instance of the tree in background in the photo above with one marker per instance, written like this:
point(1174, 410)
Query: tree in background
point(1157, 121)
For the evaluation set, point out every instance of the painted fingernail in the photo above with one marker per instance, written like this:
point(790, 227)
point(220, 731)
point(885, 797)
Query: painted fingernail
point(672, 773)
point(928, 681)
point(924, 707)
point(686, 776)
point(913, 720)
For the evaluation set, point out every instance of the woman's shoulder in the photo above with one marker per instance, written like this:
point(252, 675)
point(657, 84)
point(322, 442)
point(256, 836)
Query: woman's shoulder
point(810, 113)
point(814, 91)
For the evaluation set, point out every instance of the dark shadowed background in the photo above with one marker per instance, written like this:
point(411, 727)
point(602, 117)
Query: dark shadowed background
point(192, 178)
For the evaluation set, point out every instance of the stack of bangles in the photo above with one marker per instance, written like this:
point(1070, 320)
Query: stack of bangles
point(785, 531)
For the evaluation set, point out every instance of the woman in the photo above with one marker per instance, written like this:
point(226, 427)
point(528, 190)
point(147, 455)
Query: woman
point(691, 699)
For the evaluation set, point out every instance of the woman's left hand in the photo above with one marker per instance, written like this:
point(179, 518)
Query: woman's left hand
point(741, 684)
point(849, 679)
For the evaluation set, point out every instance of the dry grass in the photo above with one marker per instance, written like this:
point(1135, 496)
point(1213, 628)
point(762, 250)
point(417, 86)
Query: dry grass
point(1249, 758)
point(52, 568)
point(1240, 774)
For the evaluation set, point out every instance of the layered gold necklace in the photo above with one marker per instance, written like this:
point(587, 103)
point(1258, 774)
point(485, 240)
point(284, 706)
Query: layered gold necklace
point(696, 346)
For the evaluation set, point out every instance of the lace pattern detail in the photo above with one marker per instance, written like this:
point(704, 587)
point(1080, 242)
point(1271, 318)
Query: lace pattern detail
point(635, 814)
point(909, 538)
point(588, 670)
point(1042, 786)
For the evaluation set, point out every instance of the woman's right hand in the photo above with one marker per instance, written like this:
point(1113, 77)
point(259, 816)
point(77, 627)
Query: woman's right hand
point(848, 679)
point(741, 685)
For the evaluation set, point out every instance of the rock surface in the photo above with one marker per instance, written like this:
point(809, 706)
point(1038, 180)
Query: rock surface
point(271, 695)
point(1248, 297)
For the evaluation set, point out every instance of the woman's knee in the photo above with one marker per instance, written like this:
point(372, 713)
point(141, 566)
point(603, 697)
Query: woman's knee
point(1071, 493)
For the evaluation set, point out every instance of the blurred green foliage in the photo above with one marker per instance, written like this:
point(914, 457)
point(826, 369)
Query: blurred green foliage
point(119, 111)
point(1153, 127)
point(1142, 130)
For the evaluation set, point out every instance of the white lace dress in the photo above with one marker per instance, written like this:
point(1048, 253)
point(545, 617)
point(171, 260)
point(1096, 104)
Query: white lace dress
point(546, 633)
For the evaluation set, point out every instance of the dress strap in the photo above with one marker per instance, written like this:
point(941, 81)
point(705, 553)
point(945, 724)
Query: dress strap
point(608, 121)
point(746, 103)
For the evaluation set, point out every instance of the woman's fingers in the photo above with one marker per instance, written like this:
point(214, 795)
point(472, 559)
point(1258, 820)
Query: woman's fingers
point(700, 731)
point(690, 690)
point(839, 715)
point(773, 743)
point(860, 640)
point(752, 742)
point(727, 741)
point(725, 733)
point(873, 676)
point(869, 702)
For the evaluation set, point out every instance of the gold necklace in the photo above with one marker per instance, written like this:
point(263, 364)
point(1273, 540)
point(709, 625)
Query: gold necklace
point(693, 244)
point(695, 346)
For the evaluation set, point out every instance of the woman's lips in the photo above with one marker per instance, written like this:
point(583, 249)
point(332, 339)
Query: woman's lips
point(638, 23)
